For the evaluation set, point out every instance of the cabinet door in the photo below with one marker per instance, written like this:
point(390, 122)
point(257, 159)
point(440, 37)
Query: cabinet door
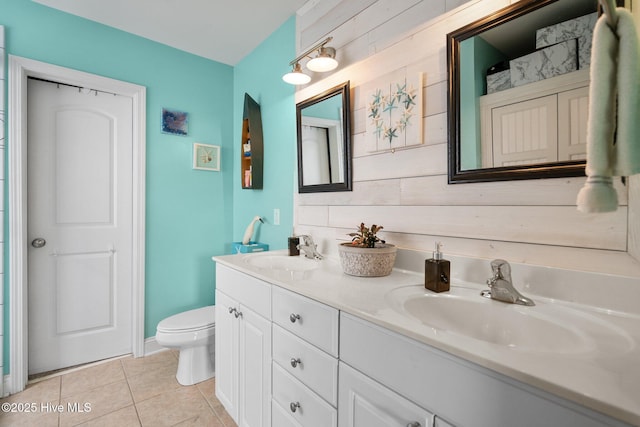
point(226, 354)
point(254, 369)
point(525, 132)
point(365, 403)
point(573, 113)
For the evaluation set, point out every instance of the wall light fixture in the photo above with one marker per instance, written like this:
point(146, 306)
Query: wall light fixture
point(322, 62)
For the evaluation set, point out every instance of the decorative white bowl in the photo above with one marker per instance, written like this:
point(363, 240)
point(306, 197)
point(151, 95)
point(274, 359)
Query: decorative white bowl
point(367, 262)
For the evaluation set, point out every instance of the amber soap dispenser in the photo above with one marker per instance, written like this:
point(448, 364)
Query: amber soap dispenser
point(437, 272)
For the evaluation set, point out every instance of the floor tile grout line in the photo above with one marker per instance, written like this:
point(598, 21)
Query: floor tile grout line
point(94, 388)
point(210, 405)
point(70, 370)
point(135, 406)
point(154, 367)
point(90, 366)
point(60, 397)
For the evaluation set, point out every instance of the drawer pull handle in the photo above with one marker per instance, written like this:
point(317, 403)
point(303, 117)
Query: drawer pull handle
point(293, 317)
point(235, 312)
point(294, 406)
point(414, 424)
point(295, 362)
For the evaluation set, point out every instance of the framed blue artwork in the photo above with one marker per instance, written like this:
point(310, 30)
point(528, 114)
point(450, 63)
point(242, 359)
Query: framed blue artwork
point(175, 122)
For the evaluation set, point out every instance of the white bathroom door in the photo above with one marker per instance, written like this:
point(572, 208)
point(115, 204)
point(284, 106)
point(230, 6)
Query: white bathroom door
point(80, 215)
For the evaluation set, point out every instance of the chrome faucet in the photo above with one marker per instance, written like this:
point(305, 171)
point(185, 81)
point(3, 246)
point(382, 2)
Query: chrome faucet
point(308, 247)
point(501, 287)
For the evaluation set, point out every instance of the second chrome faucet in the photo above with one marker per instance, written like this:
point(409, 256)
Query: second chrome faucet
point(308, 247)
point(501, 287)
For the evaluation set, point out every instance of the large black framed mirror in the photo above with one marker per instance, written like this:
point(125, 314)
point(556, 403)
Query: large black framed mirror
point(324, 141)
point(498, 108)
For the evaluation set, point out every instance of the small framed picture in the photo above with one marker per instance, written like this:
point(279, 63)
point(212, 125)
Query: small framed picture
point(206, 157)
point(175, 122)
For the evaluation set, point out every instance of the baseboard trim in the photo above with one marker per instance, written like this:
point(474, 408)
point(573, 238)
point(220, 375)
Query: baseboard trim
point(151, 346)
point(6, 381)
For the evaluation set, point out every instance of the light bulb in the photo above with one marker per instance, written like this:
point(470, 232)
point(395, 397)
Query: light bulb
point(325, 61)
point(296, 77)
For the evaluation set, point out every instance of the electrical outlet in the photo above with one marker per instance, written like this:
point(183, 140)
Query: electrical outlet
point(276, 216)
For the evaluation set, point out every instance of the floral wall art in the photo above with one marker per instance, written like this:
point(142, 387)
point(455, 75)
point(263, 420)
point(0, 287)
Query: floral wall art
point(394, 112)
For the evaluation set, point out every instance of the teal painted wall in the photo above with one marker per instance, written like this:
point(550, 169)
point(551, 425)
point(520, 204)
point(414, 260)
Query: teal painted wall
point(328, 109)
point(260, 75)
point(476, 56)
point(188, 212)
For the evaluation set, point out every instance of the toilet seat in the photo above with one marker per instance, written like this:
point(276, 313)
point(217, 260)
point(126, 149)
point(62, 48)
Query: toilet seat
point(192, 320)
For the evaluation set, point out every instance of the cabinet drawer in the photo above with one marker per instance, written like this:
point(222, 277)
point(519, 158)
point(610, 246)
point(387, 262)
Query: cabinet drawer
point(247, 290)
point(280, 417)
point(312, 410)
point(364, 402)
point(308, 319)
point(316, 369)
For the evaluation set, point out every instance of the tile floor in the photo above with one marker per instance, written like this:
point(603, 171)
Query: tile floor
point(123, 392)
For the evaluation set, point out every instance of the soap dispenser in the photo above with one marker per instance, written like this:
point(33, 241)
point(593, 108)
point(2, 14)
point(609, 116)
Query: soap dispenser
point(437, 272)
point(293, 245)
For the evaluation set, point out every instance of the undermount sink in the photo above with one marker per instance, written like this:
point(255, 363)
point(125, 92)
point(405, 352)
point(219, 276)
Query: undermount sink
point(282, 262)
point(547, 327)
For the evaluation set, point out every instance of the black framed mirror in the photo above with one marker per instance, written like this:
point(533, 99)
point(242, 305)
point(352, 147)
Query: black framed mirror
point(324, 141)
point(498, 108)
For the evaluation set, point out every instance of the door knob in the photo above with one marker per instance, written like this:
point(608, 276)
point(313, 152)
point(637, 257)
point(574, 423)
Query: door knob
point(38, 242)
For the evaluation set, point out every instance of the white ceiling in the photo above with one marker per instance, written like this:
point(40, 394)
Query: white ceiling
point(222, 30)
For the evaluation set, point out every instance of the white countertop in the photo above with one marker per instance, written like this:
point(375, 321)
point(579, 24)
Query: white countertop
point(605, 378)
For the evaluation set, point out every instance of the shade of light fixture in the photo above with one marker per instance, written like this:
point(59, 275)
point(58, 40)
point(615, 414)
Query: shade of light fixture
point(325, 61)
point(296, 76)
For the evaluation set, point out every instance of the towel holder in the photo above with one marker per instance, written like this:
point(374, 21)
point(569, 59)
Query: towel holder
point(609, 7)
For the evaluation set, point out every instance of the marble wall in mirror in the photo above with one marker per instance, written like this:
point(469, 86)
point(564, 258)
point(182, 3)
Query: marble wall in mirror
point(518, 92)
point(324, 141)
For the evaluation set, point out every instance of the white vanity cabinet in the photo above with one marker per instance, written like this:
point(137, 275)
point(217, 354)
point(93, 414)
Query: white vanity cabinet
point(457, 391)
point(243, 347)
point(284, 359)
point(540, 122)
point(305, 364)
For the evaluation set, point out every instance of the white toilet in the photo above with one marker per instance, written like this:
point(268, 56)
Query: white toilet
point(193, 332)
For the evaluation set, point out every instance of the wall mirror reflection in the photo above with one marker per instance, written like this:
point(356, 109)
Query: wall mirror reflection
point(324, 141)
point(518, 92)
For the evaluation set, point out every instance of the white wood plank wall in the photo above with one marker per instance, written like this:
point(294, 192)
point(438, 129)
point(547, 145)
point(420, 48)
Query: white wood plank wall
point(533, 221)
